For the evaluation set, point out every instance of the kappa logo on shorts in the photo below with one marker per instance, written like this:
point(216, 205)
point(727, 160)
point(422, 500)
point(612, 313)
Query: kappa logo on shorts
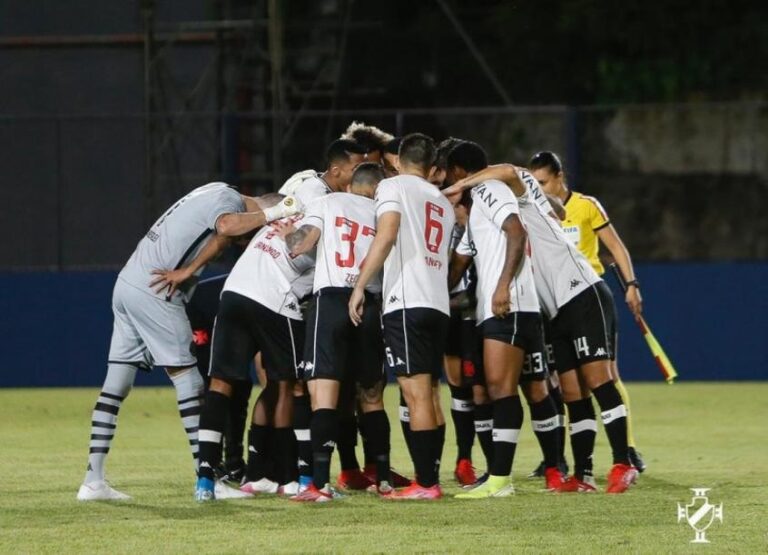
point(600, 352)
point(400, 362)
point(393, 299)
point(308, 365)
point(292, 306)
point(575, 283)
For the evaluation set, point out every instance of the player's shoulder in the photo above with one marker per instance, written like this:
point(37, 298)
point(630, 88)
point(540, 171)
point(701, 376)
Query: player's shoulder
point(491, 191)
point(295, 181)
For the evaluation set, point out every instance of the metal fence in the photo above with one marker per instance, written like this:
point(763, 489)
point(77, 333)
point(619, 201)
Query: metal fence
point(680, 181)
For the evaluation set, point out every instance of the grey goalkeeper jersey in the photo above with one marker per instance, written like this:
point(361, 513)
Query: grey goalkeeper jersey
point(179, 235)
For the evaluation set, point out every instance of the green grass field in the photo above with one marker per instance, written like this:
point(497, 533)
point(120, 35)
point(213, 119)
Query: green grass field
point(706, 435)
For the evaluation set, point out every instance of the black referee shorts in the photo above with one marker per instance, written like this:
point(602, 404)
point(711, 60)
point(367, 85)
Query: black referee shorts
point(244, 327)
point(337, 350)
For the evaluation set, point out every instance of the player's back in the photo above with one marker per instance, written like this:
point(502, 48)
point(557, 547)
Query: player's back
point(560, 271)
point(348, 227)
point(177, 237)
point(416, 270)
point(269, 274)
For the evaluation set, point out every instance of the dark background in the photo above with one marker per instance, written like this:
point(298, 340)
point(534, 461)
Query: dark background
point(111, 110)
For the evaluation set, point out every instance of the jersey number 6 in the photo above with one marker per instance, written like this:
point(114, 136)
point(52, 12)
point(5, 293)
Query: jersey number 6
point(353, 228)
point(433, 230)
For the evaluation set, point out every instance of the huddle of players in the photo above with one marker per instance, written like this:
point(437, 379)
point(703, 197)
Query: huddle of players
point(524, 265)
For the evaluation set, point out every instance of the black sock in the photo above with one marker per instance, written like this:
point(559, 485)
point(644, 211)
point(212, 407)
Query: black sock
point(462, 414)
point(285, 455)
point(368, 456)
point(507, 420)
point(614, 415)
point(258, 437)
point(544, 420)
point(557, 397)
point(439, 449)
point(347, 441)
point(484, 431)
point(405, 425)
point(302, 417)
point(581, 414)
point(212, 421)
point(424, 448)
point(235, 429)
point(325, 427)
point(376, 425)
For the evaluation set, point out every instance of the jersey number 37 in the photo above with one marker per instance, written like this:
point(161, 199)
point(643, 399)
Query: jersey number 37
point(350, 230)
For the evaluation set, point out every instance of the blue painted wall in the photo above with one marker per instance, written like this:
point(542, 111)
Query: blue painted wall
point(711, 318)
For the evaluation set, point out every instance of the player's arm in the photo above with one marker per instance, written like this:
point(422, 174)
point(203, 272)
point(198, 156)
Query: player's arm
point(457, 267)
point(506, 173)
point(172, 279)
point(387, 226)
point(259, 211)
point(557, 207)
point(302, 240)
point(513, 259)
point(619, 251)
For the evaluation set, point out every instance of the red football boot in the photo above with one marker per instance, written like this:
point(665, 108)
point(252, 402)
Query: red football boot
point(353, 480)
point(573, 485)
point(620, 478)
point(465, 473)
point(416, 492)
point(554, 478)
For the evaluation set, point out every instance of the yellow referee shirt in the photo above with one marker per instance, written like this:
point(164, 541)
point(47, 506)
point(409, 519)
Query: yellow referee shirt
point(584, 216)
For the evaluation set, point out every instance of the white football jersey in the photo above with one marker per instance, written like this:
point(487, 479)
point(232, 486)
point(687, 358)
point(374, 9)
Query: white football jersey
point(267, 272)
point(416, 270)
point(560, 271)
point(306, 186)
point(347, 225)
point(492, 203)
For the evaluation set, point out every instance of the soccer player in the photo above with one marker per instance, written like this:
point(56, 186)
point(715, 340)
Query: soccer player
point(371, 138)
point(507, 312)
point(389, 159)
point(259, 309)
point(585, 222)
point(413, 223)
point(342, 156)
point(150, 324)
point(462, 358)
point(338, 354)
point(580, 307)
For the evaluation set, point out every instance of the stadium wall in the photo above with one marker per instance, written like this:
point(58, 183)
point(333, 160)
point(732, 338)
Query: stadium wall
point(711, 319)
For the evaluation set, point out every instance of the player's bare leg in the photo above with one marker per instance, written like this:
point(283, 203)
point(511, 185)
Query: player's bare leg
point(503, 365)
point(462, 414)
point(597, 376)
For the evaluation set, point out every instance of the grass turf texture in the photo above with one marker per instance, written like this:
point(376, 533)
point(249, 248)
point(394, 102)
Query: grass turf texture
point(706, 435)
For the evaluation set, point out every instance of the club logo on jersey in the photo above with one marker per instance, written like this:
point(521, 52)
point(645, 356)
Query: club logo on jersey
point(699, 514)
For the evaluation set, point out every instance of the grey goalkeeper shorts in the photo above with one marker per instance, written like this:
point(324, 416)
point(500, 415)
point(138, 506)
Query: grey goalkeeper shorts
point(149, 331)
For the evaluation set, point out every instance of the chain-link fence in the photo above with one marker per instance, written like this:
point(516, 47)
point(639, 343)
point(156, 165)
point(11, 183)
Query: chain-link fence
point(680, 182)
